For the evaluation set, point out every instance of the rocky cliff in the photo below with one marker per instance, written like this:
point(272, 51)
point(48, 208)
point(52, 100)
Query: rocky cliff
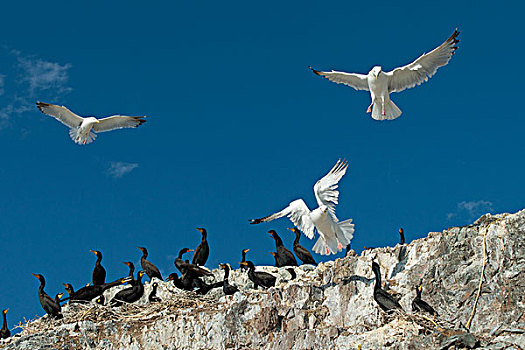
point(330, 306)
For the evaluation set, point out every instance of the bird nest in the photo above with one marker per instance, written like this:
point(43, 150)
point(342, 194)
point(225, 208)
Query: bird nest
point(84, 316)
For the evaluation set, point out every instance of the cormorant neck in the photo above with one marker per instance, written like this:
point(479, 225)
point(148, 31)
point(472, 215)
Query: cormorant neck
point(144, 255)
point(297, 236)
point(226, 273)
point(181, 253)
point(243, 256)
point(377, 272)
point(204, 236)
point(278, 240)
point(4, 326)
point(131, 271)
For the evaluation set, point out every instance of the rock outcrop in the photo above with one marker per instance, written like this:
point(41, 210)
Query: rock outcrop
point(330, 306)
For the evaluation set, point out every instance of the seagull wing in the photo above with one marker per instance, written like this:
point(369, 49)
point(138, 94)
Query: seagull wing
point(355, 80)
point(60, 113)
point(298, 213)
point(424, 67)
point(118, 122)
point(325, 189)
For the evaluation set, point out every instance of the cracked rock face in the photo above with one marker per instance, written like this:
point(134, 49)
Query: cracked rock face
point(330, 306)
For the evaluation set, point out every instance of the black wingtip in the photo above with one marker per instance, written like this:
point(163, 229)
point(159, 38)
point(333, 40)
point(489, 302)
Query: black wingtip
point(316, 72)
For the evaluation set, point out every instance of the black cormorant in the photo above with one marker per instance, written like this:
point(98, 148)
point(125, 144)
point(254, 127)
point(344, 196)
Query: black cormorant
point(177, 282)
point(401, 236)
point(421, 305)
point(4, 332)
point(244, 251)
point(227, 288)
point(131, 294)
point(89, 293)
point(150, 269)
point(58, 297)
point(48, 304)
point(202, 251)
point(301, 252)
point(203, 287)
point(101, 300)
point(259, 278)
point(383, 299)
point(284, 257)
point(184, 266)
point(131, 277)
point(99, 273)
point(274, 254)
point(153, 298)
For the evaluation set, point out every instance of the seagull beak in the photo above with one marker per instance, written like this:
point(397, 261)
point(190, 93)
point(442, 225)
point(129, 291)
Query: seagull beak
point(98, 121)
point(377, 75)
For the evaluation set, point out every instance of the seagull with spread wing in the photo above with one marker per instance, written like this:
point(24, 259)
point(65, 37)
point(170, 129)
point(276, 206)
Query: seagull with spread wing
point(333, 234)
point(381, 84)
point(82, 130)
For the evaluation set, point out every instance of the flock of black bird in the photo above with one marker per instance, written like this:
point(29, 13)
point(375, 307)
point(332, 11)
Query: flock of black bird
point(191, 279)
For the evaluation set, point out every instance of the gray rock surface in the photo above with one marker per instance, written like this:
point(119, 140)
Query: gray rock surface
point(330, 306)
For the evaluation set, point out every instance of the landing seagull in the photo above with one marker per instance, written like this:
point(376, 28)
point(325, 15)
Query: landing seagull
point(82, 130)
point(381, 84)
point(333, 234)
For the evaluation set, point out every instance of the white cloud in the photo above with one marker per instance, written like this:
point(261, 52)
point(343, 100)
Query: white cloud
point(42, 75)
point(471, 210)
point(30, 78)
point(2, 83)
point(119, 169)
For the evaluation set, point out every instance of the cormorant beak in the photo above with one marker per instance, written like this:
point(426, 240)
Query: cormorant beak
point(59, 295)
point(191, 250)
point(420, 288)
point(291, 229)
point(246, 250)
point(244, 263)
point(5, 311)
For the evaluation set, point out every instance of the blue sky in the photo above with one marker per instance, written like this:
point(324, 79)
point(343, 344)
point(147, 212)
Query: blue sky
point(238, 127)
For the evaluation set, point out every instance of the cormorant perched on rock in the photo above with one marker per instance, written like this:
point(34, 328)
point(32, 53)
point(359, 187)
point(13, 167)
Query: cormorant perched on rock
point(244, 251)
point(89, 293)
point(259, 278)
point(48, 304)
point(301, 252)
point(100, 300)
point(131, 294)
point(227, 288)
point(284, 257)
point(292, 273)
point(153, 298)
point(184, 266)
point(421, 305)
point(99, 273)
point(274, 254)
point(203, 250)
point(150, 269)
point(402, 251)
point(4, 332)
point(177, 282)
point(203, 287)
point(58, 297)
point(383, 299)
point(401, 236)
point(131, 277)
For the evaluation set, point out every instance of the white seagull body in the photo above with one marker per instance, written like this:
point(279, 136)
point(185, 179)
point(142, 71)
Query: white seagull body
point(381, 84)
point(82, 130)
point(333, 234)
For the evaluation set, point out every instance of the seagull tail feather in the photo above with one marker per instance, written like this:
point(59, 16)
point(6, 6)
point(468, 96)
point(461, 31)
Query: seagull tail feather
point(326, 246)
point(77, 137)
point(391, 110)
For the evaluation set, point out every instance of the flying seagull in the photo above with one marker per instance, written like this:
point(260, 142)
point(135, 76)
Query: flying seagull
point(333, 234)
point(381, 84)
point(82, 130)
